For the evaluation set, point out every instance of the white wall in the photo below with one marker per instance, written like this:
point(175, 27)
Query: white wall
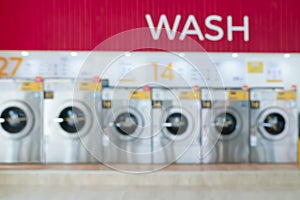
point(138, 67)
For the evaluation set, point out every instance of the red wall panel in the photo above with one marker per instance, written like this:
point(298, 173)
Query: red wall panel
point(83, 24)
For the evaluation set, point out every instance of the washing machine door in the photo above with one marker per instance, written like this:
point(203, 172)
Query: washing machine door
point(273, 123)
point(227, 124)
point(127, 124)
point(178, 124)
point(74, 119)
point(16, 119)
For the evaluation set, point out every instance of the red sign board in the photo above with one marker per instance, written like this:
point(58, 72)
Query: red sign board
point(217, 25)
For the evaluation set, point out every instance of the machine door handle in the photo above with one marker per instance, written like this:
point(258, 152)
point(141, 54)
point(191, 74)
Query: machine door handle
point(20, 119)
point(58, 120)
point(267, 125)
point(167, 124)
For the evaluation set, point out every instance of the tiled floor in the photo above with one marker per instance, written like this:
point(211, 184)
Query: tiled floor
point(225, 182)
point(151, 193)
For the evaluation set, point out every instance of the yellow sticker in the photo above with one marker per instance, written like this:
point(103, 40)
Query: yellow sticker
point(106, 104)
point(189, 95)
point(90, 86)
point(206, 104)
point(255, 67)
point(127, 80)
point(156, 104)
point(32, 86)
point(238, 95)
point(286, 95)
point(48, 95)
point(139, 95)
point(275, 81)
point(255, 104)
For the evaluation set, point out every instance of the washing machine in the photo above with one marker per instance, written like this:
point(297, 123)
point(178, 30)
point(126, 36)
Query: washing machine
point(126, 124)
point(274, 125)
point(176, 125)
point(71, 129)
point(225, 125)
point(20, 114)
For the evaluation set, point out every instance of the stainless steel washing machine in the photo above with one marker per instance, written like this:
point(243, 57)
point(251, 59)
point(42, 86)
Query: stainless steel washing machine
point(225, 125)
point(126, 114)
point(273, 126)
point(71, 129)
point(176, 125)
point(21, 127)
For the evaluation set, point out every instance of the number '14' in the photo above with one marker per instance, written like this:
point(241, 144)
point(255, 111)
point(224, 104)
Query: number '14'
point(167, 71)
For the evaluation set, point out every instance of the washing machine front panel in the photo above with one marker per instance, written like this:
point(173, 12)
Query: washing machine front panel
point(231, 131)
point(127, 125)
point(273, 126)
point(212, 105)
point(70, 123)
point(20, 131)
point(225, 132)
point(176, 125)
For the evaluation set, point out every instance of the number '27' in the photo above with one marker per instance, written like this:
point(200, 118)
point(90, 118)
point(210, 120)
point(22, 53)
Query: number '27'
point(5, 62)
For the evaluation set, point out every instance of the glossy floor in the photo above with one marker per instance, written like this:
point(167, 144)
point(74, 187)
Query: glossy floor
point(139, 193)
point(76, 182)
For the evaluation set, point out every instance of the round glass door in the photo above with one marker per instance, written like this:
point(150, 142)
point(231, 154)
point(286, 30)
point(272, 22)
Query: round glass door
point(73, 119)
point(126, 123)
point(225, 123)
point(176, 124)
point(274, 123)
point(14, 120)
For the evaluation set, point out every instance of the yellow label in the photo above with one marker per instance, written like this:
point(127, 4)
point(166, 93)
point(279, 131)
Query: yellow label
point(48, 95)
point(90, 86)
point(106, 104)
point(238, 95)
point(206, 104)
point(156, 104)
point(286, 95)
point(32, 86)
point(127, 80)
point(255, 67)
point(275, 81)
point(139, 95)
point(189, 95)
point(255, 104)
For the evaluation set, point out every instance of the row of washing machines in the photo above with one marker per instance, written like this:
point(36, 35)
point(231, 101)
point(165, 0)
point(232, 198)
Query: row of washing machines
point(79, 121)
